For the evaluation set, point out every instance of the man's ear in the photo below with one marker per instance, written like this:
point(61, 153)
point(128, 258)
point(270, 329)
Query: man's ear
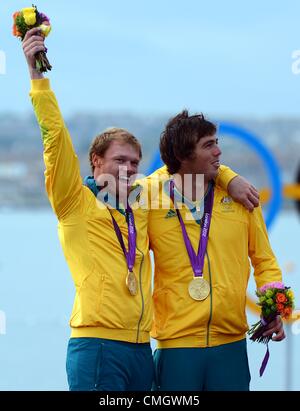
point(97, 160)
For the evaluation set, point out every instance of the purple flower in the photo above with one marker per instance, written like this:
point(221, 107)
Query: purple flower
point(275, 284)
point(44, 17)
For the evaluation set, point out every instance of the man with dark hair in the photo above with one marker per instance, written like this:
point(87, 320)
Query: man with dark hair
point(105, 242)
point(201, 248)
point(184, 145)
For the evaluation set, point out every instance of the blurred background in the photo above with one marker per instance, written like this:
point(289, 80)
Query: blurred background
point(134, 64)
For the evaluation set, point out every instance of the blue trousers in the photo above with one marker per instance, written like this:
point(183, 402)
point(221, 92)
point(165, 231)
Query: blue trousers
point(96, 364)
point(221, 368)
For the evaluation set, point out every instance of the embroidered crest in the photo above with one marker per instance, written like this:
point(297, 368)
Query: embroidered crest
point(227, 200)
point(227, 204)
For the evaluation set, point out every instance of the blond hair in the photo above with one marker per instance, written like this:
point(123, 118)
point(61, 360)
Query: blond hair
point(101, 143)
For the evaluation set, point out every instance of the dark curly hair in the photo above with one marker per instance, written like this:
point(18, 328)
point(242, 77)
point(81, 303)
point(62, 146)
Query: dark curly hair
point(179, 139)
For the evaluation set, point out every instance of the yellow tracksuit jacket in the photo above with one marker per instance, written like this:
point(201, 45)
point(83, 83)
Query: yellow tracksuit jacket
point(235, 235)
point(103, 306)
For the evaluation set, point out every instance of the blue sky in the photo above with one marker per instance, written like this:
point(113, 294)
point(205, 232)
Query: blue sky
point(222, 58)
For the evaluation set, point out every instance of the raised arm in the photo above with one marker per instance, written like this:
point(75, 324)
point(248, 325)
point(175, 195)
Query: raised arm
point(62, 174)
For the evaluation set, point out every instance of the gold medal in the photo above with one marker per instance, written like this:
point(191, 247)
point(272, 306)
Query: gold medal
point(132, 283)
point(199, 289)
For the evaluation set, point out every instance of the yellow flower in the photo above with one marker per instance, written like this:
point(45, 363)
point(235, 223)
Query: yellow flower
point(29, 16)
point(290, 294)
point(45, 29)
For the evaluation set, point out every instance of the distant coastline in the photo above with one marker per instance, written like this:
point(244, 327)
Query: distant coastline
point(21, 152)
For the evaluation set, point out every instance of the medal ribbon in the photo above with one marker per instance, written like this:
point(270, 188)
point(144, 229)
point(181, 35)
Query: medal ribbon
point(267, 355)
point(130, 254)
point(197, 260)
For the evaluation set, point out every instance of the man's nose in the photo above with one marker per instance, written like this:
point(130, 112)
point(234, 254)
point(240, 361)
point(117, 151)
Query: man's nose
point(128, 168)
point(217, 151)
point(131, 167)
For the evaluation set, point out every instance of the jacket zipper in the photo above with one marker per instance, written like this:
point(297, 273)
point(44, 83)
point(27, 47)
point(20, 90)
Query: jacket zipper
point(211, 297)
point(141, 290)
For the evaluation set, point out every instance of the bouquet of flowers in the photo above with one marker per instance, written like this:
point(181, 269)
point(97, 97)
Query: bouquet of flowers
point(274, 299)
point(27, 19)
